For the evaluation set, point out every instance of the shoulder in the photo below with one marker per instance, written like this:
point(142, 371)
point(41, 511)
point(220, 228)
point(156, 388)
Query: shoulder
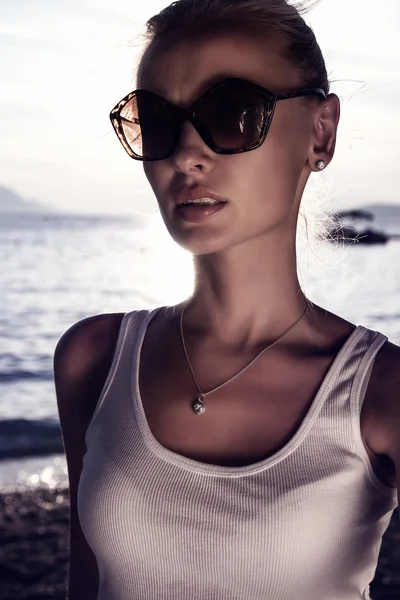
point(384, 388)
point(386, 370)
point(86, 342)
point(82, 360)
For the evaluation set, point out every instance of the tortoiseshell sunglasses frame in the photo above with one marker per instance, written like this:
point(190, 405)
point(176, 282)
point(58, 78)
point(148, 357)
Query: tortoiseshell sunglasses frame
point(189, 114)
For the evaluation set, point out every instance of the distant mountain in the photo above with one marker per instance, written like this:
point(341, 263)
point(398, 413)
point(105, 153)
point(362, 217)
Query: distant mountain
point(10, 201)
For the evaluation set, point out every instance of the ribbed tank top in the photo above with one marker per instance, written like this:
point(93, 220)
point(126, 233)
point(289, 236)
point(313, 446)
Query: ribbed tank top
point(304, 524)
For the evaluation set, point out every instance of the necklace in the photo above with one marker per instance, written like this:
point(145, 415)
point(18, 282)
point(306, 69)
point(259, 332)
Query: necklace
point(198, 403)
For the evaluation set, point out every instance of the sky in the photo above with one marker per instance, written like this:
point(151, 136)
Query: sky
point(66, 63)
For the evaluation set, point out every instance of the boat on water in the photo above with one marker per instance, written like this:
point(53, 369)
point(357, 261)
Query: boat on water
point(353, 227)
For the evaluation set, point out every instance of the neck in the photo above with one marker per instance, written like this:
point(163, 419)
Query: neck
point(244, 294)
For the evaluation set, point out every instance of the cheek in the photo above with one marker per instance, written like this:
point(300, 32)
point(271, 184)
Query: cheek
point(267, 179)
point(159, 176)
point(282, 157)
point(288, 136)
point(152, 173)
point(269, 173)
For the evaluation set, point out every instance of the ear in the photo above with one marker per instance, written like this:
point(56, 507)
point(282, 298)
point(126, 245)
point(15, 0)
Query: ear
point(325, 124)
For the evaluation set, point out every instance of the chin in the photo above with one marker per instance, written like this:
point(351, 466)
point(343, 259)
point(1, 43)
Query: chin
point(200, 241)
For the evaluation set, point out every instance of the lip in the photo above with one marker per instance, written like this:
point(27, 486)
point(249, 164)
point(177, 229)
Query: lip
point(196, 193)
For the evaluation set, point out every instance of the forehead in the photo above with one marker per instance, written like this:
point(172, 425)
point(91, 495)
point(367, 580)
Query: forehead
point(181, 70)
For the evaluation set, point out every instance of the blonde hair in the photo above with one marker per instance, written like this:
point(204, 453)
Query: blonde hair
point(276, 18)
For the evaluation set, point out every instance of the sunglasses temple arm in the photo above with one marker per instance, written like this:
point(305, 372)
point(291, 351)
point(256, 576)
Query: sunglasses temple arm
point(313, 92)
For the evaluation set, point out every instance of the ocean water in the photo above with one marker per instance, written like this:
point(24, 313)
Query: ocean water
point(58, 269)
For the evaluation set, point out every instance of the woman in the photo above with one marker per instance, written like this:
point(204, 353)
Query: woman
point(240, 446)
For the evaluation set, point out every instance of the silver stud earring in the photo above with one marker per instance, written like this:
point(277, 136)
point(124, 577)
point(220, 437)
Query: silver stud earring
point(321, 165)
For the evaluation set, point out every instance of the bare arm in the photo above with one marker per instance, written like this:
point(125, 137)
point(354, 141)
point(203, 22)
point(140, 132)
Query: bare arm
point(82, 361)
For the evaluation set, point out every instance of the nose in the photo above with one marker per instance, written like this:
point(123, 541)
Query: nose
point(192, 153)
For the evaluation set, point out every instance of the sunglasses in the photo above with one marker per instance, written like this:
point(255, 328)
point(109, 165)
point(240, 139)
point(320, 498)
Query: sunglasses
point(231, 117)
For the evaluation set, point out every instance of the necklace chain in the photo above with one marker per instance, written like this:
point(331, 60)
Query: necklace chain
point(204, 394)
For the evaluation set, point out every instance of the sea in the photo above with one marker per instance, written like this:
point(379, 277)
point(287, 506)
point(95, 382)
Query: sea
point(57, 269)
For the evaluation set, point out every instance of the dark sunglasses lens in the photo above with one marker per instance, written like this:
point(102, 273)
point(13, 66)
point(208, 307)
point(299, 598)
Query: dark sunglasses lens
point(234, 115)
point(150, 126)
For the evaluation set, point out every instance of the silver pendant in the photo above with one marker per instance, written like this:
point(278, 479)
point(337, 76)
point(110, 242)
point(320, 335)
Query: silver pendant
point(198, 405)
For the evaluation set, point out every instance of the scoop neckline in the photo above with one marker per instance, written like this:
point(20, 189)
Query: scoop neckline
point(190, 464)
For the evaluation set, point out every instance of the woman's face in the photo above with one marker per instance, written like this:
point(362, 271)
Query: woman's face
point(262, 187)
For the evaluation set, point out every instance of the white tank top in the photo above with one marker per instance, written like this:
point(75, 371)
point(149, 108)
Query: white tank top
point(306, 523)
